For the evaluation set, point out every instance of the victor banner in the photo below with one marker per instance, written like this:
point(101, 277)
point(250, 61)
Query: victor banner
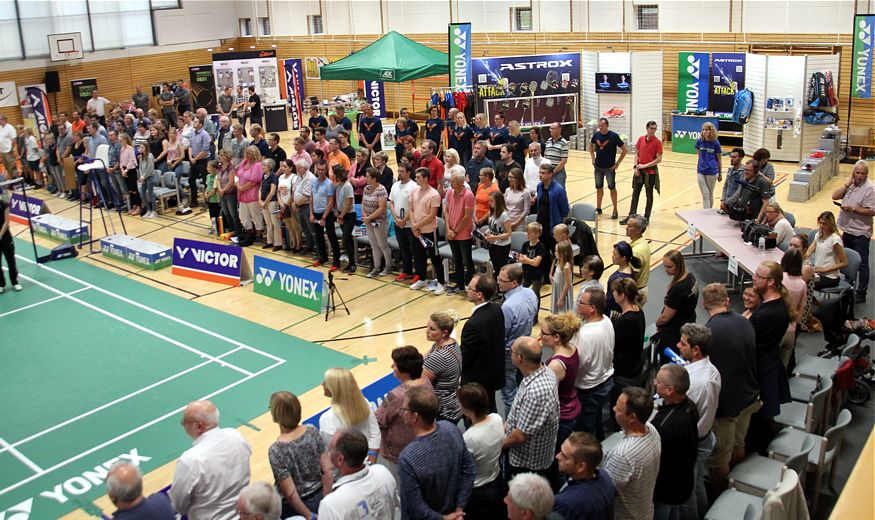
point(693, 72)
point(376, 96)
point(727, 71)
point(289, 283)
point(459, 38)
point(862, 56)
point(294, 75)
point(42, 112)
point(203, 87)
point(208, 261)
point(21, 208)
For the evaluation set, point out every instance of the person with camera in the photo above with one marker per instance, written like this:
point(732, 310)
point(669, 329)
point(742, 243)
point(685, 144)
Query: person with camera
point(751, 195)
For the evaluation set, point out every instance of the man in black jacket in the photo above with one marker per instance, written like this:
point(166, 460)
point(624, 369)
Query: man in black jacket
point(483, 339)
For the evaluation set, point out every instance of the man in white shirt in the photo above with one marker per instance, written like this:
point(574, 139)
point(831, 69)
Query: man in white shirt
point(595, 345)
point(8, 135)
point(97, 106)
point(399, 204)
point(362, 491)
point(705, 384)
point(210, 475)
point(532, 169)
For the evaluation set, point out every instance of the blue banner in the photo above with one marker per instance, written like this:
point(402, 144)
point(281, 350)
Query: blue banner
point(693, 78)
point(376, 96)
point(42, 112)
point(525, 76)
point(289, 283)
point(685, 131)
point(207, 261)
point(727, 70)
point(374, 393)
point(459, 38)
point(862, 56)
point(295, 90)
point(19, 207)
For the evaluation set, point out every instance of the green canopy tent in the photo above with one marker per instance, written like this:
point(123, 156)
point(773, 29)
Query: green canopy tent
point(393, 57)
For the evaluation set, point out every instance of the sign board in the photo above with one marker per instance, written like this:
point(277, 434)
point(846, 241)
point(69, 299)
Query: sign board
point(727, 71)
point(862, 56)
point(19, 206)
point(527, 76)
point(376, 97)
point(294, 73)
point(202, 87)
point(459, 38)
point(82, 92)
point(289, 283)
point(208, 261)
point(732, 265)
point(691, 231)
point(613, 83)
point(693, 75)
point(685, 131)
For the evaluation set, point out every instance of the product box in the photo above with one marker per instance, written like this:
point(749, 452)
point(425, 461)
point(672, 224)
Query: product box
point(59, 228)
point(116, 246)
point(149, 255)
point(799, 191)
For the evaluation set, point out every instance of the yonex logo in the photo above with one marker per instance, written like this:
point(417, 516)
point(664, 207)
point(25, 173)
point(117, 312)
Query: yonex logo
point(18, 512)
point(694, 66)
point(461, 38)
point(864, 54)
point(387, 74)
point(866, 31)
point(266, 276)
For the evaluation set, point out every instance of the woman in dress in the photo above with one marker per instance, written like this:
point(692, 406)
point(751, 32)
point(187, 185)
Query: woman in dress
point(826, 253)
point(562, 295)
point(298, 458)
point(499, 231)
point(709, 166)
point(557, 330)
point(517, 199)
point(679, 306)
point(376, 219)
point(443, 363)
point(483, 438)
point(286, 179)
point(349, 409)
point(451, 166)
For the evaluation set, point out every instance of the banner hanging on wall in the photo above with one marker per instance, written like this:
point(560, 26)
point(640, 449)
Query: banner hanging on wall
point(693, 72)
point(294, 73)
point(727, 71)
point(862, 56)
point(42, 112)
point(82, 92)
point(525, 76)
point(459, 37)
point(202, 87)
point(248, 69)
point(8, 95)
point(376, 97)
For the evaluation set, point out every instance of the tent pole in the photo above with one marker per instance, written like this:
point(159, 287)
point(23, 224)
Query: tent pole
point(398, 98)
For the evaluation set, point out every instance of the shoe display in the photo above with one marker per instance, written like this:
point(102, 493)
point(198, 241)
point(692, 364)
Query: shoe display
point(419, 285)
point(440, 289)
point(615, 112)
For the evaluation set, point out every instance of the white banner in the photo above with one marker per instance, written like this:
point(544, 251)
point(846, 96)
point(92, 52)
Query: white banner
point(8, 94)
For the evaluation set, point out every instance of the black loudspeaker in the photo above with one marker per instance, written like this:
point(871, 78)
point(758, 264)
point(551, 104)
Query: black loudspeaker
point(53, 81)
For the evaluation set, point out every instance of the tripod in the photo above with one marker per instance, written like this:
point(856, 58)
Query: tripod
point(331, 306)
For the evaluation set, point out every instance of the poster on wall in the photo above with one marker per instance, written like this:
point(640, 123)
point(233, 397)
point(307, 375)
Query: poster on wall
point(202, 87)
point(42, 112)
point(693, 73)
point(459, 38)
point(248, 69)
point(28, 118)
point(295, 90)
point(8, 94)
point(376, 97)
point(862, 56)
point(82, 92)
point(613, 83)
point(727, 71)
point(313, 67)
point(527, 76)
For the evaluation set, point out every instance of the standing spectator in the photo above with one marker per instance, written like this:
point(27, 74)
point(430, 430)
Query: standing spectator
point(358, 173)
point(556, 334)
point(254, 104)
point(648, 154)
point(481, 130)
point(517, 199)
point(551, 206)
point(520, 310)
point(402, 129)
point(344, 211)
point(734, 173)
point(167, 102)
point(529, 496)
point(595, 345)
point(288, 213)
point(386, 175)
point(498, 135)
point(375, 217)
point(238, 144)
point(535, 137)
point(518, 143)
point(141, 99)
point(477, 162)
point(241, 105)
point(826, 252)
point(855, 220)
point(77, 124)
point(210, 475)
point(411, 122)
point(532, 170)
point(225, 102)
point(424, 204)
point(228, 193)
point(562, 294)
point(55, 170)
point(128, 167)
point(158, 146)
point(555, 151)
point(345, 146)
point(316, 120)
point(436, 470)
point(461, 138)
point(451, 167)
point(370, 129)
point(361, 488)
point(635, 228)
point(797, 288)
point(604, 159)
point(590, 492)
point(735, 359)
point(679, 306)
point(675, 421)
point(7, 247)
point(62, 151)
point(146, 181)
point(300, 153)
point(342, 120)
point(333, 127)
point(434, 126)
point(483, 438)
point(633, 463)
point(483, 340)
point(322, 206)
point(260, 501)
point(183, 97)
point(267, 200)
point(395, 434)
point(31, 155)
point(443, 363)
point(498, 232)
point(97, 106)
point(766, 169)
point(459, 218)
point(303, 191)
point(198, 155)
point(504, 166)
point(349, 409)
point(298, 459)
point(275, 151)
point(249, 175)
point(533, 421)
point(482, 196)
point(622, 257)
point(709, 165)
point(211, 196)
point(399, 205)
point(629, 326)
point(429, 160)
point(258, 139)
point(336, 157)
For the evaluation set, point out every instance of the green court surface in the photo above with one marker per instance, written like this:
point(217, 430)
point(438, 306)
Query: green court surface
point(95, 367)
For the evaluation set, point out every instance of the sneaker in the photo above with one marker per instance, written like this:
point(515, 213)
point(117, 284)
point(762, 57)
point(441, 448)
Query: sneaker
point(385, 272)
point(598, 210)
point(440, 289)
point(17, 287)
point(624, 221)
point(401, 277)
point(374, 272)
point(615, 215)
point(334, 268)
point(317, 263)
point(432, 285)
point(453, 290)
point(418, 285)
point(350, 269)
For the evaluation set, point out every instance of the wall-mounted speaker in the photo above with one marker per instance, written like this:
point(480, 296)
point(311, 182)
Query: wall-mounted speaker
point(53, 81)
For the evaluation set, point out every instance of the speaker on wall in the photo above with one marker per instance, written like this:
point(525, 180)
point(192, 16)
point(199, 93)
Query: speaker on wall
point(53, 81)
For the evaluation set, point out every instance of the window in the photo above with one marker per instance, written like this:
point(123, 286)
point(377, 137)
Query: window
point(10, 45)
point(39, 19)
point(245, 26)
point(164, 4)
point(648, 17)
point(264, 26)
point(314, 22)
point(522, 18)
point(131, 20)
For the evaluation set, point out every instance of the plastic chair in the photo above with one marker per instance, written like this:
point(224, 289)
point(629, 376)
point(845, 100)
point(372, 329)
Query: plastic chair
point(531, 218)
point(814, 366)
point(851, 345)
point(760, 474)
point(807, 416)
point(802, 388)
point(517, 240)
point(849, 274)
point(585, 211)
point(790, 218)
point(824, 455)
point(733, 504)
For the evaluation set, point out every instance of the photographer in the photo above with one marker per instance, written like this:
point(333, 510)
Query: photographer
point(751, 196)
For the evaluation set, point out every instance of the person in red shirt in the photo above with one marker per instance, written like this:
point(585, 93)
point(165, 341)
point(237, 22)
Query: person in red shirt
point(435, 166)
point(649, 154)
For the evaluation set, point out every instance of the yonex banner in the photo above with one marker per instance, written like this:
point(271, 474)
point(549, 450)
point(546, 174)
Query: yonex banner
point(727, 70)
point(376, 96)
point(459, 36)
point(42, 113)
point(295, 90)
point(289, 283)
point(19, 207)
point(208, 261)
point(693, 81)
point(862, 56)
point(685, 131)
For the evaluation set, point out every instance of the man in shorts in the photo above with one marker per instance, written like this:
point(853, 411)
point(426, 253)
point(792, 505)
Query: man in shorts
point(604, 158)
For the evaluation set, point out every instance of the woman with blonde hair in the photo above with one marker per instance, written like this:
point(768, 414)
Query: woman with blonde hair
point(298, 458)
point(443, 363)
point(556, 333)
point(709, 164)
point(349, 409)
point(679, 306)
point(826, 252)
point(451, 166)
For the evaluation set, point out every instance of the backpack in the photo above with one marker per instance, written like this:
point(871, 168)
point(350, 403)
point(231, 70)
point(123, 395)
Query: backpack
point(742, 106)
point(817, 91)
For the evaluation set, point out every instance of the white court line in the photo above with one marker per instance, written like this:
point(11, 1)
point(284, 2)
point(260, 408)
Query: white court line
point(131, 432)
point(17, 454)
point(111, 403)
point(154, 311)
point(139, 327)
point(32, 305)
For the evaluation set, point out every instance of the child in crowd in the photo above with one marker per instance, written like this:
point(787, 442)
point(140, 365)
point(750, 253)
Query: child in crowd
point(532, 257)
point(561, 278)
point(211, 193)
point(270, 211)
point(146, 181)
point(591, 270)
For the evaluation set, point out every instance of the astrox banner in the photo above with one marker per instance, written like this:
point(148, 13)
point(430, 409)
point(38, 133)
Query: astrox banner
point(459, 39)
point(863, 54)
point(82, 92)
point(693, 72)
point(289, 283)
point(295, 90)
point(202, 85)
point(727, 71)
point(526, 76)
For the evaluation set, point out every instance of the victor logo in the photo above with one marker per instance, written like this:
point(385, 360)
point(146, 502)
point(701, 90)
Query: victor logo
point(551, 64)
point(18, 512)
point(376, 98)
point(209, 257)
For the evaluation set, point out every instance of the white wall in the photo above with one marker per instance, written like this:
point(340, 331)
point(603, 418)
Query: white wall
point(197, 21)
point(808, 16)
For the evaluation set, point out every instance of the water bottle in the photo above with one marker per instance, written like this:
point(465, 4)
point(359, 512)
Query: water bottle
point(762, 245)
point(674, 357)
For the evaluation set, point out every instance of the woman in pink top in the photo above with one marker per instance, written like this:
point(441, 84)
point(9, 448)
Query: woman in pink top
point(797, 288)
point(357, 173)
point(127, 162)
point(556, 333)
point(249, 175)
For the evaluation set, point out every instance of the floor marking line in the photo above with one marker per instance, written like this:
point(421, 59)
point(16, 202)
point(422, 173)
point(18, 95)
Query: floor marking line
point(140, 327)
point(17, 454)
point(154, 311)
point(32, 305)
point(133, 431)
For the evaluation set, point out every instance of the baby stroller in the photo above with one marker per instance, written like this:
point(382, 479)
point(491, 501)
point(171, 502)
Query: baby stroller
point(833, 313)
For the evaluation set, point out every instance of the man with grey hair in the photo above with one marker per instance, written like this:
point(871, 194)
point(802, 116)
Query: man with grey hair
point(210, 475)
point(855, 219)
point(459, 218)
point(124, 486)
point(259, 501)
point(477, 163)
point(532, 169)
point(362, 491)
point(595, 345)
point(529, 496)
point(636, 225)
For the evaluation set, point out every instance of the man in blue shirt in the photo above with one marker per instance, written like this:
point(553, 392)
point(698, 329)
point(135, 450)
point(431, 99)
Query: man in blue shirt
point(477, 163)
point(604, 158)
point(370, 129)
point(590, 492)
point(520, 308)
point(344, 121)
point(551, 206)
point(124, 486)
point(198, 155)
point(734, 173)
